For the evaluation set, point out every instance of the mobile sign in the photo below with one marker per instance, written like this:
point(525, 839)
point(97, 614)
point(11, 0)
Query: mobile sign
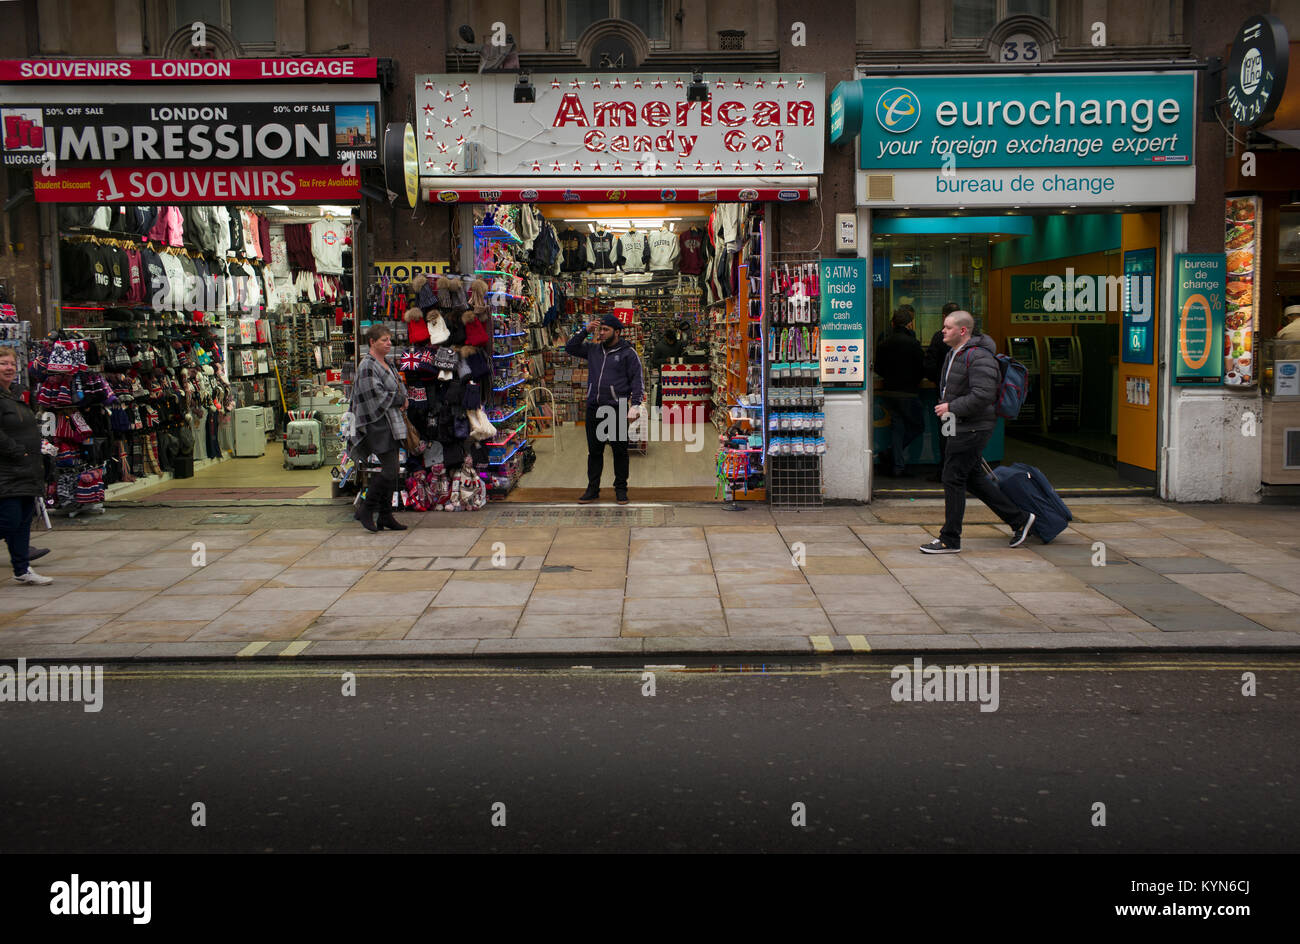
point(843, 342)
point(1199, 282)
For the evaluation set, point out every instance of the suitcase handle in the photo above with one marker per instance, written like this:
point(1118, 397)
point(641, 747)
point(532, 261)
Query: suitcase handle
point(988, 469)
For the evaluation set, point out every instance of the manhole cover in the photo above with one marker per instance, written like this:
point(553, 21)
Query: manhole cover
point(222, 517)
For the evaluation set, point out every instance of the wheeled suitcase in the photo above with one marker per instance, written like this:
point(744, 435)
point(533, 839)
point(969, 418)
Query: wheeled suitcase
point(1029, 490)
point(302, 445)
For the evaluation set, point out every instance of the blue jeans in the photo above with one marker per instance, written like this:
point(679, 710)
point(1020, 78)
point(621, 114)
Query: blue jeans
point(16, 525)
point(906, 424)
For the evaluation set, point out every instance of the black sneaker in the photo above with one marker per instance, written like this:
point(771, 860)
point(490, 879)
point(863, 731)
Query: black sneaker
point(938, 547)
point(620, 496)
point(1018, 536)
point(589, 496)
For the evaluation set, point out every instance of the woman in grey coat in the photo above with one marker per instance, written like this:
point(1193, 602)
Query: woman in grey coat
point(378, 398)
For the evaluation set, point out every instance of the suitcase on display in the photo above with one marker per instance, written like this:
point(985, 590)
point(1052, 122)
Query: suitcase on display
point(1029, 490)
point(183, 467)
point(303, 447)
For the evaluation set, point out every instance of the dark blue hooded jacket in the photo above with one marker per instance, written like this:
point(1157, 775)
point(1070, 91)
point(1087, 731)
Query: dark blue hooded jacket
point(612, 374)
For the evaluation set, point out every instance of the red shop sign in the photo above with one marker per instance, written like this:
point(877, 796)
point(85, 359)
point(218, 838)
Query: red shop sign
point(180, 70)
point(624, 315)
point(309, 184)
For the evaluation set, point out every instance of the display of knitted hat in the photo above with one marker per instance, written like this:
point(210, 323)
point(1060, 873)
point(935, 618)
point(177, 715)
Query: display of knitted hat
point(480, 428)
point(417, 329)
point(437, 328)
point(476, 332)
point(451, 293)
point(478, 297)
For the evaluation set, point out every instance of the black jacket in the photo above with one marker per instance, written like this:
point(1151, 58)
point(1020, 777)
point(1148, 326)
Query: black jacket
point(665, 352)
point(22, 471)
point(900, 361)
point(935, 355)
point(971, 386)
point(613, 374)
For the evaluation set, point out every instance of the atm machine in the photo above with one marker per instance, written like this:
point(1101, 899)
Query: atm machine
point(1028, 352)
point(1064, 383)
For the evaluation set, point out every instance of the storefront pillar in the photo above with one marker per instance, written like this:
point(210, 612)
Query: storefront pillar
point(847, 469)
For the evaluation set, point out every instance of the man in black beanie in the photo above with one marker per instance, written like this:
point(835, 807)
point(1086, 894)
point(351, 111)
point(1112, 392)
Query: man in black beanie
point(615, 391)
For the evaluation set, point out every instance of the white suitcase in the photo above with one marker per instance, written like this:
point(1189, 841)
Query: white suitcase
point(303, 448)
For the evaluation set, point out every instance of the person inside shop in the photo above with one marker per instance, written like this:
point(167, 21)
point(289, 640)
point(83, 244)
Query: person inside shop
point(615, 391)
point(670, 347)
point(378, 398)
point(935, 355)
point(22, 471)
point(968, 385)
point(1290, 324)
point(901, 364)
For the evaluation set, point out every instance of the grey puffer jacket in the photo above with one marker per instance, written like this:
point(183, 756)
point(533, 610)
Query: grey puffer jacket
point(969, 384)
point(22, 470)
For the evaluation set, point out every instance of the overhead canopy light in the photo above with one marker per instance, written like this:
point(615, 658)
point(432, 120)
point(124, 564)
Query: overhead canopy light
point(525, 94)
point(697, 91)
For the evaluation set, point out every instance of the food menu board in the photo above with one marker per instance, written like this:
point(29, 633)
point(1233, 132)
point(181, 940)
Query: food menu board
point(1241, 243)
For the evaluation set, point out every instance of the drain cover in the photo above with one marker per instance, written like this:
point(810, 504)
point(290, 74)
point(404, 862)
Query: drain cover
point(224, 517)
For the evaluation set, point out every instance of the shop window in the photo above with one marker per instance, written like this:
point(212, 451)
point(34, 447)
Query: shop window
point(649, 16)
point(973, 19)
point(250, 22)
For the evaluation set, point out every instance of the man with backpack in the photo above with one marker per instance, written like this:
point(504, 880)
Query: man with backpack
point(968, 389)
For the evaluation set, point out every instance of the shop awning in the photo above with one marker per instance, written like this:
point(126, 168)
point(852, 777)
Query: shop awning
point(618, 189)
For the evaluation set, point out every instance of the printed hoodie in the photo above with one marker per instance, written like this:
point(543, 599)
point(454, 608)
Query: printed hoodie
point(612, 374)
point(664, 250)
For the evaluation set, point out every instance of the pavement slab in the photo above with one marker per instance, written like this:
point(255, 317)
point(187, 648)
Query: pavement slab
point(837, 580)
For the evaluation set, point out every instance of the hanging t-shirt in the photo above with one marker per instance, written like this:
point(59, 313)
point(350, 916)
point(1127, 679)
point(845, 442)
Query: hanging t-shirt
point(327, 245)
point(221, 230)
point(279, 254)
point(175, 279)
point(575, 251)
point(692, 251)
point(604, 251)
point(633, 251)
point(664, 250)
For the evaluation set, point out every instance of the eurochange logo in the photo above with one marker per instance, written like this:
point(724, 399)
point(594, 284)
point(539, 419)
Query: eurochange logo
point(898, 110)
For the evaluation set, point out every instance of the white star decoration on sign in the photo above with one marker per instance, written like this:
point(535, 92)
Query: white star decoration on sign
point(717, 165)
point(740, 165)
point(428, 85)
point(758, 166)
point(720, 84)
point(798, 165)
point(467, 112)
point(555, 83)
point(451, 166)
point(448, 96)
point(636, 83)
point(758, 84)
point(679, 166)
point(800, 83)
point(448, 121)
point(659, 165)
point(537, 165)
point(556, 166)
point(460, 141)
point(699, 165)
point(428, 134)
point(428, 163)
point(597, 167)
point(617, 83)
point(464, 86)
point(618, 165)
point(442, 147)
point(595, 83)
point(429, 109)
point(577, 165)
point(679, 84)
point(780, 83)
point(779, 165)
point(659, 83)
point(577, 83)
point(739, 83)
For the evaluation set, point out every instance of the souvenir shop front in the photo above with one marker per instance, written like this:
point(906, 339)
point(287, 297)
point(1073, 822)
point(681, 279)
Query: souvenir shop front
point(201, 271)
point(651, 199)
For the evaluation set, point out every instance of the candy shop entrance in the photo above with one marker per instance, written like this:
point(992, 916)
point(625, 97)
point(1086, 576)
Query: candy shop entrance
point(653, 266)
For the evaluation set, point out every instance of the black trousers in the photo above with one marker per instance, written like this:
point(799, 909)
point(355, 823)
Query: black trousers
point(604, 426)
point(961, 471)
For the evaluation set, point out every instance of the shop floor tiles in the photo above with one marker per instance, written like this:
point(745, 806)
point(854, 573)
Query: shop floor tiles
point(231, 493)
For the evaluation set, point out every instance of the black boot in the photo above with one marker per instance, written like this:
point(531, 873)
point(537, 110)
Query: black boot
point(385, 518)
point(366, 511)
point(590, 495)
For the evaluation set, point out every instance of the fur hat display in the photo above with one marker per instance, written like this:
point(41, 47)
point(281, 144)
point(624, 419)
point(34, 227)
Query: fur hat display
point(438, 331)
point(414, 314)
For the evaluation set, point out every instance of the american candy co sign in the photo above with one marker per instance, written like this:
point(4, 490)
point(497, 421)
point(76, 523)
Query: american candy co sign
point(635, 125)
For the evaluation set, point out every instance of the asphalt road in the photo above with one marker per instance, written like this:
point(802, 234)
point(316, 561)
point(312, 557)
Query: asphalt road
point(715, 760)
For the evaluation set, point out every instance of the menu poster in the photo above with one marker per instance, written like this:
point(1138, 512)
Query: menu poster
point(1241, 243)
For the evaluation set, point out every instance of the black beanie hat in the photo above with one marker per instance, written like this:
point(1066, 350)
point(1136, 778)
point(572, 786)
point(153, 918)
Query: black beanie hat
point(609, 321)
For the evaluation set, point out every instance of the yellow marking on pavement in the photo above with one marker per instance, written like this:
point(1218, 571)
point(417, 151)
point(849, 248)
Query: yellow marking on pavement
point(822, 643)
point(859, 644)
point(252, 649)
point(296, 647)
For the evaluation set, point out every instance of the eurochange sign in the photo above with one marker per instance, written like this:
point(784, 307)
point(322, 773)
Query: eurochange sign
point(610, 124)
point(1051, 139)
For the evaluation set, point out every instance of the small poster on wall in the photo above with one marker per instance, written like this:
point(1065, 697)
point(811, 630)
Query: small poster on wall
point(1241, 244)
point(1198, 318)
